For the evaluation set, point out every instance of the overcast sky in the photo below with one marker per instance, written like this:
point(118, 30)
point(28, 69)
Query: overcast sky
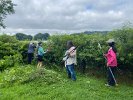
point(67, 16)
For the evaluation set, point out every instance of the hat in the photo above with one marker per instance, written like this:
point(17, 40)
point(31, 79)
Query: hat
point(110, 41)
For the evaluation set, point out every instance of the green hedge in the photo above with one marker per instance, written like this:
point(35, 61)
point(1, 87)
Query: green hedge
point(13, 51)
point(89, 51)
point(10, 54)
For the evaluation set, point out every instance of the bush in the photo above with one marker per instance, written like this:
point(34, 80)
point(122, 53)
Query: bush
point(27, 74)
point(16, 75)
point(10, 61)
point(88, 48)
point(124, 42)
point(10, 51)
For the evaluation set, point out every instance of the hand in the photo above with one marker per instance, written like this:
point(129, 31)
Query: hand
point(104, 55)
point(68, 54)
point(107, 64)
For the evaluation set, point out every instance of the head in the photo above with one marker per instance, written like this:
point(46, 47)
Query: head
point(111, 43)
point(40, 44)
point(69, 44)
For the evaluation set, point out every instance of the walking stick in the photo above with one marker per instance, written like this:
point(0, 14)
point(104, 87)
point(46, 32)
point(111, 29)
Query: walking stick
point(108, 67)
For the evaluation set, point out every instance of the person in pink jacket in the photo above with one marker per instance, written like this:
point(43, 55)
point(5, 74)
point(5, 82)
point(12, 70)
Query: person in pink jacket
point(111, 62)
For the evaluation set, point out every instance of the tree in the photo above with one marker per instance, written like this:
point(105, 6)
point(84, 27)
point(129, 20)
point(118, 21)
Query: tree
point(21, 36)
point(46, 35)
point(41, 36)
point(29, 37)
point(6, 7)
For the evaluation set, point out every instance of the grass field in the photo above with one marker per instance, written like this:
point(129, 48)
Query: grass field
point(54, 85)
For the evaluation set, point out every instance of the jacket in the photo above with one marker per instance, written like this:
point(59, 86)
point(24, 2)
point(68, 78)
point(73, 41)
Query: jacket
point(111, 58)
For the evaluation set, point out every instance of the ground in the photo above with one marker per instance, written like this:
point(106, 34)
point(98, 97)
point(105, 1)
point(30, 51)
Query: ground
point(54, 85)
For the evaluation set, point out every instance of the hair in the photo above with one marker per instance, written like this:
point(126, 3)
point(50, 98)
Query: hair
point(69, 44)
point(112, 44)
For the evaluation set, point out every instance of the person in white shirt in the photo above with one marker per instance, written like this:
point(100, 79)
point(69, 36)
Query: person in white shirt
point(70, 60)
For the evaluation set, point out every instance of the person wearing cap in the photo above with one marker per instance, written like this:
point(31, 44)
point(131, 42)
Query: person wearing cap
point(31, 49)
point(111, 62)
point(70, 60)
point(40, 53)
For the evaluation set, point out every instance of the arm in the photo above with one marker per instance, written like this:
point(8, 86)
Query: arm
point(65, 56)
point(73, 54)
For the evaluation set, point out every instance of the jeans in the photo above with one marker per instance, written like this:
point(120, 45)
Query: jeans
point(71, 72)
point(30, 57)
point(111, 80)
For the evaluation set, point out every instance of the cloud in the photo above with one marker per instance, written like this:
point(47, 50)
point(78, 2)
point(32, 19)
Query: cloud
point(68, 15)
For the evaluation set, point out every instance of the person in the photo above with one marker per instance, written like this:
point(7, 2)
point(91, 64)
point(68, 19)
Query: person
point(111, 63)
point(70, 60)
point(31, 49)
point(40, 53)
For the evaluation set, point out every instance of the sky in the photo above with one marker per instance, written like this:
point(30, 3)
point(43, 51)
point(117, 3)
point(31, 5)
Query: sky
point(68, 16)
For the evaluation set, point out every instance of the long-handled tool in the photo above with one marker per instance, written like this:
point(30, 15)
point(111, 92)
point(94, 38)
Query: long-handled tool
point(99, 45)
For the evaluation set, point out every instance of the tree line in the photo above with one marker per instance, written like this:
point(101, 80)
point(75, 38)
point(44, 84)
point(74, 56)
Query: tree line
point(39, 36)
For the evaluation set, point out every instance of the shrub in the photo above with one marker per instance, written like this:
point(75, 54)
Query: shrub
point(26, 74)
point(89, 51)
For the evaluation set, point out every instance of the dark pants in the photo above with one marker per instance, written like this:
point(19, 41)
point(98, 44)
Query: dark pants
point(111, 80)
point(30, 57)
point(40, 58)
point(71, 72)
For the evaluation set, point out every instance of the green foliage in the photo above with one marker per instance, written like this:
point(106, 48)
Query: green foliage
point(41, 36)
point(41, 88)
point(124, 42)
point(27, 74)
point(16, 75)
point(7, 46)
point(87, 48)
point(21, 36)
point(10, 52)
point(7, 39)
point(89, 51)
point(10, 61)
point(6, 7)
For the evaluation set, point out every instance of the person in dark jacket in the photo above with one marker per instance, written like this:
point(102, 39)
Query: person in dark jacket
point(31, 50)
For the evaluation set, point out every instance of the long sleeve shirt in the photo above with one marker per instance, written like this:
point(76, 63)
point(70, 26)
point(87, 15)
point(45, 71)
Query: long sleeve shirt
point(72, 57)
point(111, 58)
point(40, 51)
